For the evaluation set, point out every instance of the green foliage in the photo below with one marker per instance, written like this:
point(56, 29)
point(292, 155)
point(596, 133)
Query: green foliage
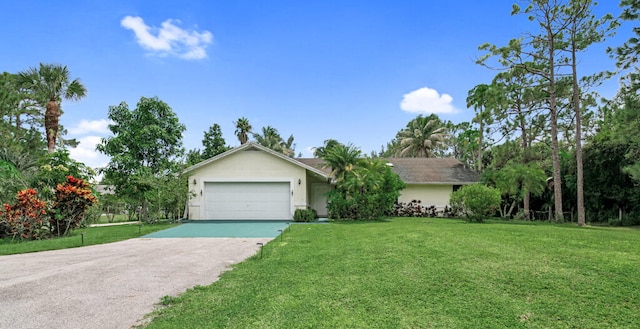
point(608, 189)
point(93, 215)
point(271, 138)
point(49, 84)
point(20, 118)
point(420, 138)
point(341, 159)
point(243, 128)
point(54, 169)
point(367, 189)
point(213, 142)
point(305, 215)
point(11, 180)
point(476, 201)
point(145, 150)
point(514, 181)
point(321, 151)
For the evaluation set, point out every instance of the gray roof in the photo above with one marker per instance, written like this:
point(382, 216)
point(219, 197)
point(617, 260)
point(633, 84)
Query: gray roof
point(420, 170)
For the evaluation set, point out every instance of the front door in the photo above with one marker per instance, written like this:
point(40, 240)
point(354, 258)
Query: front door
point(319, 198)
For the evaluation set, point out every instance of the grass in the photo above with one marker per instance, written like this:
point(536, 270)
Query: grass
point(92, 235)
point(425, 273)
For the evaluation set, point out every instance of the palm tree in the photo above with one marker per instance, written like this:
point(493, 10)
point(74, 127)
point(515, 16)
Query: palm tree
point(243, 127)
point(289, 147)
point(342, 159)
point(270, 138)
point(321, 151)
point(51, 83)
point(420, 137)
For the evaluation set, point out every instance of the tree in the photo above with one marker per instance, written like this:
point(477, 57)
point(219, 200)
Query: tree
point(20, 120)
point(621, 121)
point(321, 151)
point(421, 136)
point(540, 56)
point(50, 84)
point(627, 54)
point(584, 30)
point(243, 128)
point(213, 142)
point(16, 171)
point(475, 201)
point(289, 147)
point(144, 150)
point(270, 138)
point(484, 99)
point(341, 159)
point(516, 181)
point(367, 191)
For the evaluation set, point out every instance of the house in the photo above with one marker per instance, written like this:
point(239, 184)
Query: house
point(430, 180)
point(255, 182)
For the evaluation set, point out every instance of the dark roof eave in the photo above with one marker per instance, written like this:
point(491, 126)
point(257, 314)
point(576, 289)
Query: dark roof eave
point(440, 183)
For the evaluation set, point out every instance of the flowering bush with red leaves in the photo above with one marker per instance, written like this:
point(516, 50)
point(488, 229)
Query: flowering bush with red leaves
point(72, 201)
point(27, 219)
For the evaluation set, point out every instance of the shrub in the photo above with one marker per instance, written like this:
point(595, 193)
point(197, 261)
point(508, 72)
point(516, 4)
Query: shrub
point(305, 215)
point(92, 216)
point(27, 219)
point(475, 201)
point(367, 191)
point(72, 201)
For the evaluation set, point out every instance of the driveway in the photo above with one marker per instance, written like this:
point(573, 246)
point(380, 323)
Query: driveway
point(111, 285)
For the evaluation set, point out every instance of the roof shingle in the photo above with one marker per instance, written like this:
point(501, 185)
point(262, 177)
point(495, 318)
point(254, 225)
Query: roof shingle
point(420, 170)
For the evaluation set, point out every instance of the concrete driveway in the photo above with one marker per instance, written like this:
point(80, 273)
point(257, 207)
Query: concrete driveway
point(111, 285)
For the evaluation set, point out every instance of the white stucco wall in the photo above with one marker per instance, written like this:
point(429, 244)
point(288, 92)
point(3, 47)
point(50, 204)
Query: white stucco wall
point(248, 165)
point(430, 194)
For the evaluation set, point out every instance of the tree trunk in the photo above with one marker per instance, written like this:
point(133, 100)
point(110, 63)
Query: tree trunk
point(51, 115)
point(576, 108)
point(525, 151)
point(557, 178)
point(480, 140)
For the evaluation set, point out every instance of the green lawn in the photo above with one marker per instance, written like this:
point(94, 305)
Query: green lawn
point(92, 235)
point(425, 273)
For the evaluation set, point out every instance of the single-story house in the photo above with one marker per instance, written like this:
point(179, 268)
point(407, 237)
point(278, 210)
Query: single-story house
point(255, 182)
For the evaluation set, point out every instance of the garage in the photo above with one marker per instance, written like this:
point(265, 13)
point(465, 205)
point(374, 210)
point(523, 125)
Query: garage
point(247, 200)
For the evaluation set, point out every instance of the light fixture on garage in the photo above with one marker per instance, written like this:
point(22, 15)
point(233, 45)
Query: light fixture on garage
point(299, 181)
point(194, 181)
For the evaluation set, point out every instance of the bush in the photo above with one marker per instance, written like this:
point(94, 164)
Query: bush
point(27, 219)
point(367, 192)
point(72, 201)
point(305, 215)
point(476, 201)
point(93, 215)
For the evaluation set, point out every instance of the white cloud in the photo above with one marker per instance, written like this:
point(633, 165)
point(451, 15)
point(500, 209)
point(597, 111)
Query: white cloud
point(169, 39)
point(426, 101)
point(94, 126)
point(86, 152)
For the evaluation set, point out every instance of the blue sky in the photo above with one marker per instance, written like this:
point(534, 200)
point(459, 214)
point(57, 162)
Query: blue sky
point(355, 71)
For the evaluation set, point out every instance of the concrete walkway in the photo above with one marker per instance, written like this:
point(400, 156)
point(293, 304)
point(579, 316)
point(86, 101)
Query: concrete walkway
point(111, 285)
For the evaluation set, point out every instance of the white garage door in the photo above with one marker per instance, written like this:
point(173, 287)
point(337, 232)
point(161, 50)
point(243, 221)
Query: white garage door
point(247, 200)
